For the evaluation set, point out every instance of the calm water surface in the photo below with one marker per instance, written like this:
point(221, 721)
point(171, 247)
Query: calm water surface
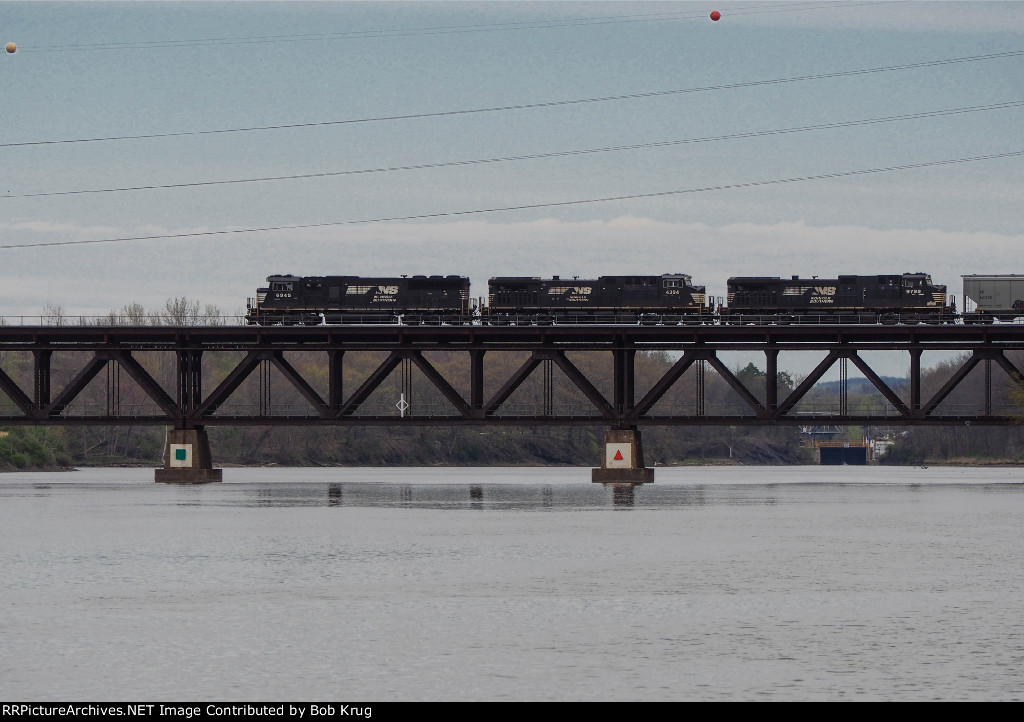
point(715, 583)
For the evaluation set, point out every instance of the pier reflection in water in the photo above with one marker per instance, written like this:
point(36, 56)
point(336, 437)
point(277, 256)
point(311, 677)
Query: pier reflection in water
point(512, 584)
point(478, 497)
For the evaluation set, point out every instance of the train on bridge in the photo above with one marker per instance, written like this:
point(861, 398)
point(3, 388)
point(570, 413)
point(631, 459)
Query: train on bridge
point(666, 299)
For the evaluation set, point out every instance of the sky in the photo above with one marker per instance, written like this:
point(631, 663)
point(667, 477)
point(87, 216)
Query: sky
point(810, 138)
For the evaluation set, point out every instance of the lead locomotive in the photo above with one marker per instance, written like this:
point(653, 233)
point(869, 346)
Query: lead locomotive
point(906, 298)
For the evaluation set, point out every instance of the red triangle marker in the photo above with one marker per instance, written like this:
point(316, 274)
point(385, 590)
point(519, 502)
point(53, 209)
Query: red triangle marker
point(618, 455)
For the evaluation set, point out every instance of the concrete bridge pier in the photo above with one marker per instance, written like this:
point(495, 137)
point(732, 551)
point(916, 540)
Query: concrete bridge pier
point(187, 458)
point(623, 460)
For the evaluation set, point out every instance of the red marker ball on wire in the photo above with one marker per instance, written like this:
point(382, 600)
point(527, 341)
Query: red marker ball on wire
point(715, 15)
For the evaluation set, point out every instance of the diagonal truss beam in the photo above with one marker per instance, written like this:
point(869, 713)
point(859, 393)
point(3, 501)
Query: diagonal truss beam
point(370, 385)
point(743, 391)
point(584, 385)
point(75, 387)
point(663, 385)
point(19, 397)
point(516, 380)
point(228, 386)
point(440, 383)
point(952, 383)
point(301, 385)
point(875, 379)
point(957, 378)
point(807, 384)
point(1011, 370)
point(146, 382)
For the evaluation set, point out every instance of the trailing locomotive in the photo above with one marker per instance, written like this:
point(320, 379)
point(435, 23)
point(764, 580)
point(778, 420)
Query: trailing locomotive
point(312, 300)
point(906, 298)
point(670, 298)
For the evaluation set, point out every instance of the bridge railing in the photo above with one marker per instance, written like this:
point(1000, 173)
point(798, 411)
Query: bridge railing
point(108, 320)
point(525, 320)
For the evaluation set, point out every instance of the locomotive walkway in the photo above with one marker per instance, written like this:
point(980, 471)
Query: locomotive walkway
point(187, 377)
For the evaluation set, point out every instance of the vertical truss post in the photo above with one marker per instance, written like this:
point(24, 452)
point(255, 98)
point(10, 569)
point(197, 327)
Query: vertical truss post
point(549, 388)
point(406, 390)
point(264, 387)
point(335, 378)
point(771, 379)
point(113, 389)
point(699, 369)
point(988, 387)
point(844, 389)
point(190, 381)
point(476, 381)
point(41, 380)
point(624, 360)
point(915, 382)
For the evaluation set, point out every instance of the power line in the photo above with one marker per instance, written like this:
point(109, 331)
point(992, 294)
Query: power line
point(537, 156)
point(686, 15)
point(531, 106)
point(532, 206)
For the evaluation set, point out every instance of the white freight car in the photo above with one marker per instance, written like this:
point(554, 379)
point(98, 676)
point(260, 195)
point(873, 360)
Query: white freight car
point(995, 297)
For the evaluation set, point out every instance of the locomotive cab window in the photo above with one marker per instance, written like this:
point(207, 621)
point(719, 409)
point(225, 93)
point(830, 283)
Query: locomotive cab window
point(281, 286)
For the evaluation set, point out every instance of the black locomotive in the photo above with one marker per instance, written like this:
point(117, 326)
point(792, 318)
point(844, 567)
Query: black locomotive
point(312, 300)
point(906, 298)
point(669, 299)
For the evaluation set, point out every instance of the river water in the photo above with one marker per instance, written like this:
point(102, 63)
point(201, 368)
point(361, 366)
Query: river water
point(714, 583)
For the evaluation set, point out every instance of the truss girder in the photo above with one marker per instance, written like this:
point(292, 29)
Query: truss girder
point(187, 406)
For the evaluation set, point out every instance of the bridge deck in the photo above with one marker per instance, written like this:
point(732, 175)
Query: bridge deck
point(942, 337)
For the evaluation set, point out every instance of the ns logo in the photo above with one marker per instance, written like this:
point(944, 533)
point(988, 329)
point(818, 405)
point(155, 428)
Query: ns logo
point(824, 290)
point(388, 290)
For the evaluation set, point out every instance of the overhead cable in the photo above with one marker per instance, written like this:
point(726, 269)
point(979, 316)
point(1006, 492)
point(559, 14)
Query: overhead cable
point(537, 156)
point(530, 206)
point(533, 106)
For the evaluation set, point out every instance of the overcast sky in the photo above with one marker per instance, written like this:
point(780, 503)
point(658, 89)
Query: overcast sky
point(662, 76)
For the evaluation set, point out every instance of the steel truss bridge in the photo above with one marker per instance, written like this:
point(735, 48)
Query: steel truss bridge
point(190, 395)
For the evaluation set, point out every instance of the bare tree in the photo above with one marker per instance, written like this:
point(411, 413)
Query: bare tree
point(179, 311)
point(53, 315)
point(212, 315)
point(133, 314)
